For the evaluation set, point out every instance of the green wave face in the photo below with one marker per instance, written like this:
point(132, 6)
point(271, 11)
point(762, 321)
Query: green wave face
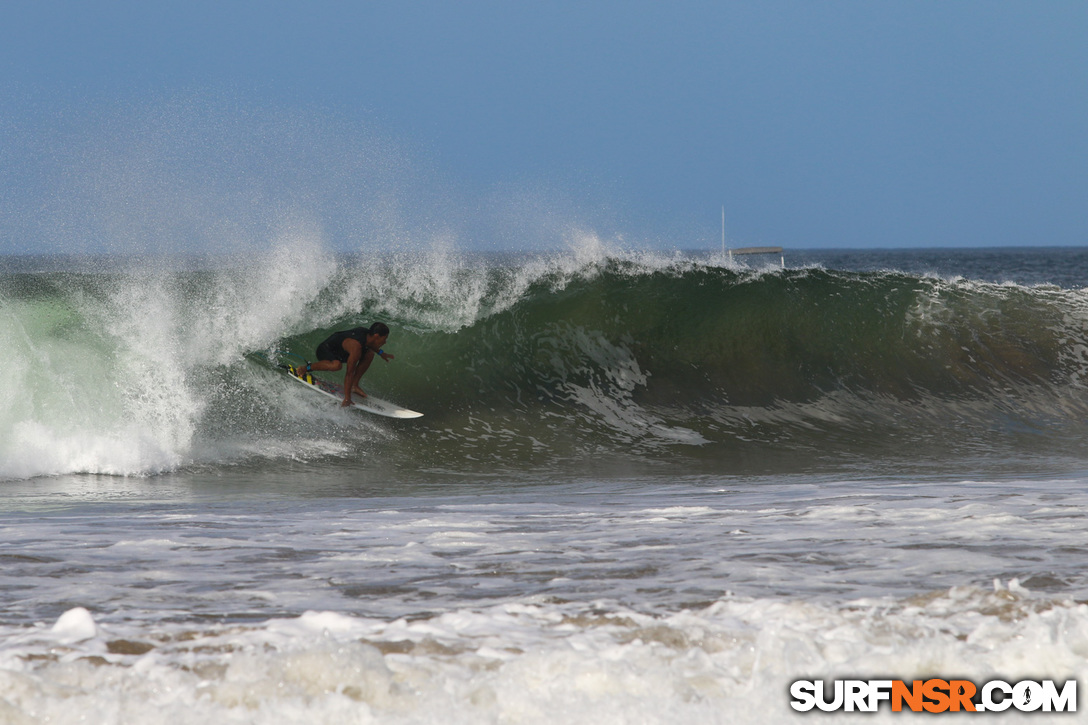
point(706, 364)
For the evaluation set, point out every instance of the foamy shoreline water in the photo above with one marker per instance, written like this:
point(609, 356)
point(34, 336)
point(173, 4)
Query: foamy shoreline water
point(730, 662)
point(541, 604)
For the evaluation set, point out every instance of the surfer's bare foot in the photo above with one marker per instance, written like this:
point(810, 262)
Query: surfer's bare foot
point(358, 391)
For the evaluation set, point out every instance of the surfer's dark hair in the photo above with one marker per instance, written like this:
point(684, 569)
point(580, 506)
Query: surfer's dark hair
point(378, 328)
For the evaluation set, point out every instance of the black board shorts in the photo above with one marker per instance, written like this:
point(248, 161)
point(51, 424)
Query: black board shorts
point(332, 350)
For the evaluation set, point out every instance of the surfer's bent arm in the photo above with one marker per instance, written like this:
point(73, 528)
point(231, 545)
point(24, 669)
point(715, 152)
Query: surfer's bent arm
point(352, 373)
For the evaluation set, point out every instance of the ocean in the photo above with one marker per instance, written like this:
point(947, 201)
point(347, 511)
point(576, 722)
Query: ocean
point(648, 487)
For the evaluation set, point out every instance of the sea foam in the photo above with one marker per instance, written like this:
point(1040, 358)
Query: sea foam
point(732, 661)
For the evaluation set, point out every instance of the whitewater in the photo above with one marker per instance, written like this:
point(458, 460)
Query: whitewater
point(648, 486)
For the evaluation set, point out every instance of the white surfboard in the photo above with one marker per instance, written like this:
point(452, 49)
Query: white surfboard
point(370, 404)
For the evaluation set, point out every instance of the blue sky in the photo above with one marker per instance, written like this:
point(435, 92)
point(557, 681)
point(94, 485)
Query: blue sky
point(816, 124)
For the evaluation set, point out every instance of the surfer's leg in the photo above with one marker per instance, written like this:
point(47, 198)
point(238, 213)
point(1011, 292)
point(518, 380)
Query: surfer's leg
point(328, 359)
point(329, 366)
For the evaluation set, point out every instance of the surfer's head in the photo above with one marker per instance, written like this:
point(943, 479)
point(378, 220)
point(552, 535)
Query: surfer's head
point(377, 335)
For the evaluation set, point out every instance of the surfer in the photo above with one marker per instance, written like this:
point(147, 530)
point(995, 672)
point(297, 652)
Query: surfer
point(357, 349)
